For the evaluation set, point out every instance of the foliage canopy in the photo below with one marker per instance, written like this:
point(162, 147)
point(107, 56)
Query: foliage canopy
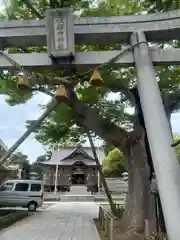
point(114, 163)
point(110, 101)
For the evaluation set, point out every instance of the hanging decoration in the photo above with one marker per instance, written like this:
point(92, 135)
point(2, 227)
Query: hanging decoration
point(61, 94)
point(96, 79)
point(23, 83)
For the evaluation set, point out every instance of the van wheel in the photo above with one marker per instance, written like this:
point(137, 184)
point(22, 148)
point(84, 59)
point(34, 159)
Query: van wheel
point(32, 206)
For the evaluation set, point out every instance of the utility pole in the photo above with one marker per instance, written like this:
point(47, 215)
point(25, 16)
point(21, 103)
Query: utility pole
point(56, 179)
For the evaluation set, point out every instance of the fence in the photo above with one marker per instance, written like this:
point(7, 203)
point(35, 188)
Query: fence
point(108, 224)
point(107, 221)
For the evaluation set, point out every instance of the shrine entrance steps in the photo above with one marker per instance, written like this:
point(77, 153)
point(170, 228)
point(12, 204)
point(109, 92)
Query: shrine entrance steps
point(77, 193)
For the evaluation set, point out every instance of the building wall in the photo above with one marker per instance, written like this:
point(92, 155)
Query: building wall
point(65, 172)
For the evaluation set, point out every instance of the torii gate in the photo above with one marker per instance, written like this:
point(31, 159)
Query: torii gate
point(134, 30)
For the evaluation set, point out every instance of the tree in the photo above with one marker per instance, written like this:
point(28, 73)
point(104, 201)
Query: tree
point(177, 138)
point(37, 167)
point(114, 163)
point(92, 109)
point(23, 162)
point(43, 158)
point(162, 5)
point(4, 173)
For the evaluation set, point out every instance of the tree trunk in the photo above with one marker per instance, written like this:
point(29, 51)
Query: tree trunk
point(139, 202)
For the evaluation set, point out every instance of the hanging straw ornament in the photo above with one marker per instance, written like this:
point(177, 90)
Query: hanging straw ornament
point(61, 94)
point(23, 83)
point(96, 79)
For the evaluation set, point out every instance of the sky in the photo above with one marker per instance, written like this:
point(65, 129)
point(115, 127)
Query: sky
point(13, 124)
point(2, 4)
point(13, 121)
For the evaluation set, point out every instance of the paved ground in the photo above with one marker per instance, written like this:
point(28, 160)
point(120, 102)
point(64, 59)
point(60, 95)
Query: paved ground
point(61, 221)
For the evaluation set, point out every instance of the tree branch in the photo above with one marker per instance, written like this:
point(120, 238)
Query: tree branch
point(86, 116)
point(33, 10)
point(91, 119)
point(172, 100)
point(173, 105)
point(176, 143)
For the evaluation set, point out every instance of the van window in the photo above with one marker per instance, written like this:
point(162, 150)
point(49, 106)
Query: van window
point(23, 187)
point(35, 187)
point(7, 187)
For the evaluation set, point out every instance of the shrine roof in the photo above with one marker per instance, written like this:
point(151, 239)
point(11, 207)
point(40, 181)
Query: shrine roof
point(69, 155)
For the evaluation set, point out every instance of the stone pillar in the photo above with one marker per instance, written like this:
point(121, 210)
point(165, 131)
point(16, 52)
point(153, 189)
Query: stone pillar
point(165, 162)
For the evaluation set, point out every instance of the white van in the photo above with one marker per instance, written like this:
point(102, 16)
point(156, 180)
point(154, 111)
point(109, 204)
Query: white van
point(22, 193)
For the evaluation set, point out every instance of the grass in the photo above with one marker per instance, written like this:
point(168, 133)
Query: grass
point(4, 212)
point(9, 217)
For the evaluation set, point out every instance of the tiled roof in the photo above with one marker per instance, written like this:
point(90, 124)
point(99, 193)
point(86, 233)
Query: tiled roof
point(64, 156)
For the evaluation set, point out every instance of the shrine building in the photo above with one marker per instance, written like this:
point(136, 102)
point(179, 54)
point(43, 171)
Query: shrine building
point(71, 166)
